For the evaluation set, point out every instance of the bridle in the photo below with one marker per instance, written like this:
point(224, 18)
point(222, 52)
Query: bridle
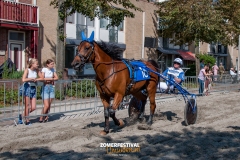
point(84, 59)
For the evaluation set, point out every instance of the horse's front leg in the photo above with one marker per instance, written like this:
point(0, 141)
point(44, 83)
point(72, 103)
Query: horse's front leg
point(106, 104)
point(116, 102)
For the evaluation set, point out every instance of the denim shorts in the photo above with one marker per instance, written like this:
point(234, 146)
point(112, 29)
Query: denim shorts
point(48, 91)
point(29, 91)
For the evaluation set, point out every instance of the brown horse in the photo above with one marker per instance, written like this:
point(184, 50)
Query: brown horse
point(113, 79)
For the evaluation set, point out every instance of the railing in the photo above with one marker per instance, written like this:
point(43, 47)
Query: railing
point(113, 35)
point(79, 95)
point(18, 12)
point(79, 29)
point(190, 82)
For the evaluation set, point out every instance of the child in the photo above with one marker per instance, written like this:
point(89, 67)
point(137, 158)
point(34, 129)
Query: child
point(207, 81)
point(210, 81)
point(29, 79)
point(48, 90)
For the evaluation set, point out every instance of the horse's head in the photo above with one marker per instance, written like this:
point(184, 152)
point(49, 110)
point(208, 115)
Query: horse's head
point(85, 51)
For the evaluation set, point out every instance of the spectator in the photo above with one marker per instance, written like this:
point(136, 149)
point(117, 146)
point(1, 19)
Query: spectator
point(221, 71)
point(29, 78)
point(201, 78)
point(233, 75)
point(207, 80)
point(232, 72)
point(48, 90)
point(215, 71)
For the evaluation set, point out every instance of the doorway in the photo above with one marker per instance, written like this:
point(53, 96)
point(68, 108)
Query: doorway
point(16, 55)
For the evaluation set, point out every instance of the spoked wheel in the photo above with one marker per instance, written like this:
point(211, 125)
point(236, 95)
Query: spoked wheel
point(191, 112)
point(134, 108)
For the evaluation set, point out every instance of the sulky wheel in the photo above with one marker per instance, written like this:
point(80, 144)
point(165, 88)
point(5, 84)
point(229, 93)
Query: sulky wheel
point(190, 115)
point(134, 108)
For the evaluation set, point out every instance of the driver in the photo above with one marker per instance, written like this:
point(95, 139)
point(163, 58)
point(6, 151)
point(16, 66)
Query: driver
point(174, 73)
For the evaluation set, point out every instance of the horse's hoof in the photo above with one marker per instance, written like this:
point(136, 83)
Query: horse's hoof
point(141, 120)
point(103, 133)
point(121, 123)
point(149, 123)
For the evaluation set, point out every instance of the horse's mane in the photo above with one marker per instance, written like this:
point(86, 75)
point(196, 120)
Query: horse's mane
point(154, 63)
point(111, 49)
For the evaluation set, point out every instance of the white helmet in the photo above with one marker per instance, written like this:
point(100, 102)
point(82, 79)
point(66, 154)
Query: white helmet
point(178, 60)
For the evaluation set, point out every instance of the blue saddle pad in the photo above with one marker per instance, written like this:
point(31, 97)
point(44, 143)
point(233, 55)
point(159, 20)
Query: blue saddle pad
point(140, 72)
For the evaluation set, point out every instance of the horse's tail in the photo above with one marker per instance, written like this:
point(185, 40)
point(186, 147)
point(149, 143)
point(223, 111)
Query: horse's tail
point(154, 63)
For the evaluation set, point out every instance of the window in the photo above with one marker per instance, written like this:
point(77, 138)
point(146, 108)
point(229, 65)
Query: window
point(17, 36)
point(212, 48)
point(89, 22)
point(120, 27)
point(80, 19)
point(160, 25)
point(103, 23)
point(70, 18)
point(219, 48)
point(165, 42)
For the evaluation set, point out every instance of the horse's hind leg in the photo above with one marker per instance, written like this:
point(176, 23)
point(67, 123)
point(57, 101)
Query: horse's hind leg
point(116, 102)
point(142, 96)
point(152, 105)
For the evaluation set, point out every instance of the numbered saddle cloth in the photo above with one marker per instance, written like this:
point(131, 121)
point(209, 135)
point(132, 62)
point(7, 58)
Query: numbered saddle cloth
point(140, 71)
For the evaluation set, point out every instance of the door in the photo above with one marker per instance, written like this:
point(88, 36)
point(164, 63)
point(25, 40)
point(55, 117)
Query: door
point(16, 55)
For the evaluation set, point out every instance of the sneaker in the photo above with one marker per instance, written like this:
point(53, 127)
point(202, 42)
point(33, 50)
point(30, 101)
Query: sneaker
point(28, 123)
point(20, 119)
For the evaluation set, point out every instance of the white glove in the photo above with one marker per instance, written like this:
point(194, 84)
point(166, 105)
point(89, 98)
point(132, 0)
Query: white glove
point(172, 74)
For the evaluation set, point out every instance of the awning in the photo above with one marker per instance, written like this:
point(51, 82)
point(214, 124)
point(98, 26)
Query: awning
point(167, 51)
point(186, 55)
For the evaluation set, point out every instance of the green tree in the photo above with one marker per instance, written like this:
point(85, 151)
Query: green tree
point(91, 9)
point(116, 10)
point(208, 59)
point(202, 20)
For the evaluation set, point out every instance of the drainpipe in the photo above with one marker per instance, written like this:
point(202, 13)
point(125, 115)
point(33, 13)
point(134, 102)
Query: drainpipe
point(143, 36)
point(97, 28)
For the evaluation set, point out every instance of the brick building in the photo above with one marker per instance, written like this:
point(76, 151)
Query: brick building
point(30, 26)
point(223, 54)
point(47, 38)
point(18, 31)
point(136, 36)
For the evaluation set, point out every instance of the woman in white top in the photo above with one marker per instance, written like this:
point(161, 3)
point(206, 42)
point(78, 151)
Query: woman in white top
point(201, 78)
point(48, 90)
point(29, 78)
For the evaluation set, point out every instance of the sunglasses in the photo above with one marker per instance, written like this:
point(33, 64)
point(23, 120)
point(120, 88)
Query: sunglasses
point(176, 63)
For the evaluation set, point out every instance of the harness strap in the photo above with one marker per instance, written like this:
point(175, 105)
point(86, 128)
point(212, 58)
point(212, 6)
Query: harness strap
point(129, 66)
point(131, 74)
